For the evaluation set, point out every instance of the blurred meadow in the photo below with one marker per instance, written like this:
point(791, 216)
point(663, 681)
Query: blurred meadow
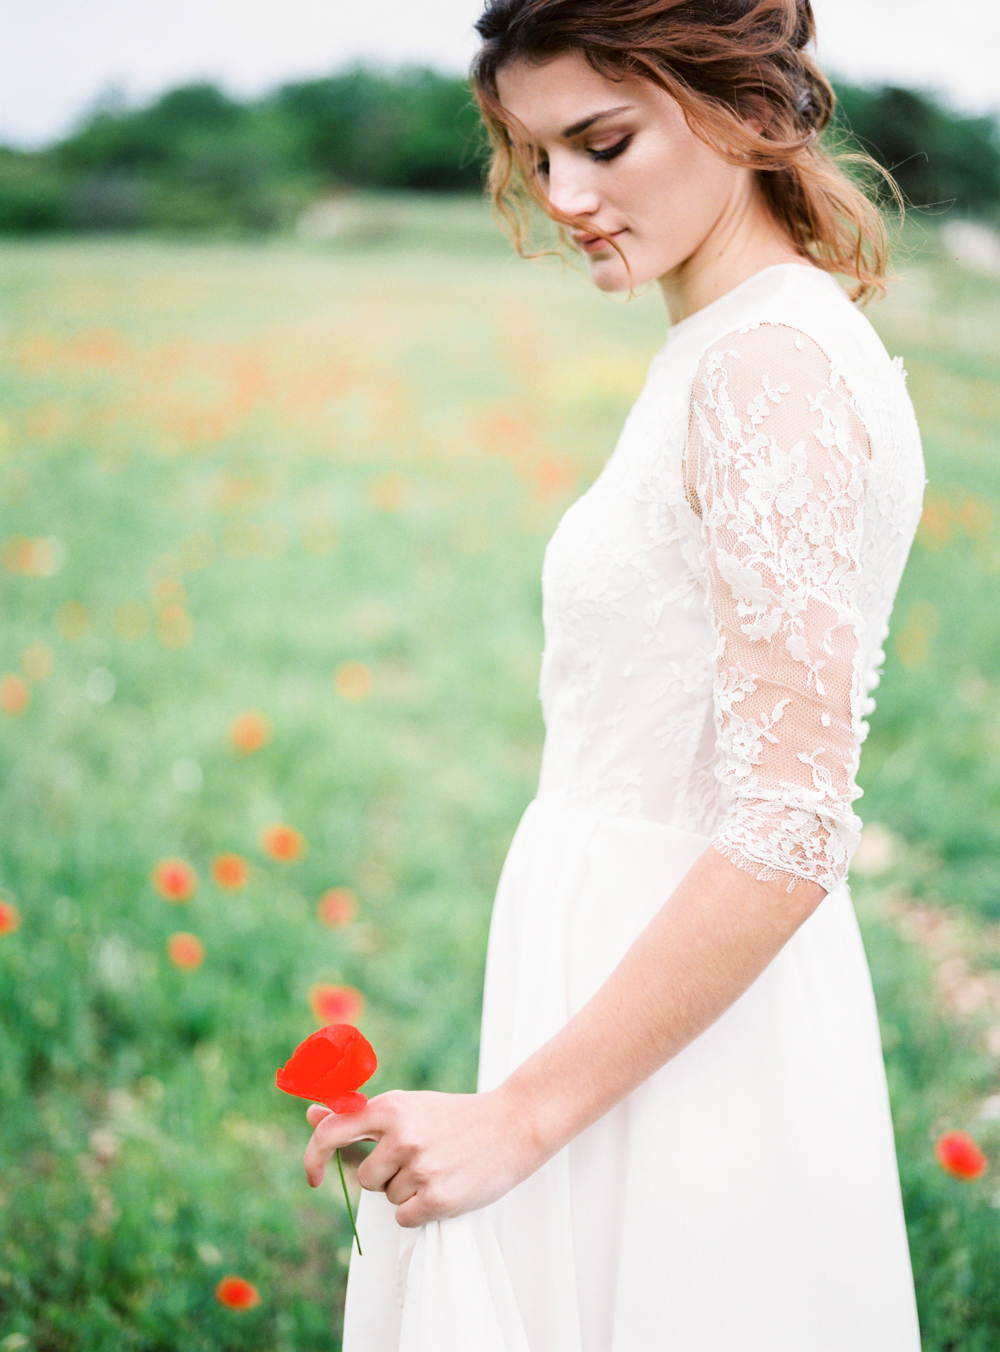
point(272, 517)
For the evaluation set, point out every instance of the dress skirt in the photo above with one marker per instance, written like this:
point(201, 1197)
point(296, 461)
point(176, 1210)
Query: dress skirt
point(745, 1198)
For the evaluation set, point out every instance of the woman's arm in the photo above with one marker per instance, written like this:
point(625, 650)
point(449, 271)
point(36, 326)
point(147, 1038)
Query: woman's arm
point(775, 468)
point(445, 1154)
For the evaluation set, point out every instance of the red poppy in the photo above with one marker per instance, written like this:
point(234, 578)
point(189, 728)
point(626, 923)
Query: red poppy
point(10, 918)
point(329, 1067)
point(236, 1293)
point(337, 907)
point(283, 843)
point(336, 1004)
point(186, 951)
point(249, 731)
point(230, 871)
point(174, 879)
point(958, 1154)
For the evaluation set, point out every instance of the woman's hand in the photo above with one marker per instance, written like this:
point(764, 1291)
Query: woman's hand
point(437, 1154)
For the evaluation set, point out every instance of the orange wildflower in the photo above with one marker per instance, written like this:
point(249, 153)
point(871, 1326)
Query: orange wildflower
point(936, 522)
point(33, 558)
point(14, 695)
point(186, 951)
point(353, 680)
point(16, 554)
point(249, 731)
point(169, 591)
point(336, 1004)
point(337, 907)
point(72, 620)
point(37, 661)
point(553, 476)
point(175, 879)
point(391, 492)
point(10, 918)
point(236, 1293)
point(230, 871)
point(283, 843)
point(131, 620)
point(976, 517)
point(175, 627)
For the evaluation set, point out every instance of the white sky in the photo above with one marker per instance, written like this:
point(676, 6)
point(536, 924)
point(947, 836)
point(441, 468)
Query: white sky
point(57, 55)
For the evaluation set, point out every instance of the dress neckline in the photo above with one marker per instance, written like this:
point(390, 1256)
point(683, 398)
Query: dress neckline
point(689, 321)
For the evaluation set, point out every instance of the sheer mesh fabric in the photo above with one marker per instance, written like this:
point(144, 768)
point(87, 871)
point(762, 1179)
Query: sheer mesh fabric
point(776, 465)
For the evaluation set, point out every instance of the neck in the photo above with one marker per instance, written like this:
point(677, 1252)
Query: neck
point(744, 240)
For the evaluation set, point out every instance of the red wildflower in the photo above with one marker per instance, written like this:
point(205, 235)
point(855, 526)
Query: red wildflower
point(958, 1154)
point(10, 918)
point(174, 879)
point(329, 1067)
point(283, 843)
point(230, 871)
point(186, 951)
point(249, 731)
point(336, 1004)
point(338, 906)
point(236, 1293)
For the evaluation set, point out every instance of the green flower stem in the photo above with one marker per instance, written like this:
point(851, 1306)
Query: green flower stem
point(343, 1184)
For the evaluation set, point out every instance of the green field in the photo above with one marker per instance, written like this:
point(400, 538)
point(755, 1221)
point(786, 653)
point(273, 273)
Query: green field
point(316, 481)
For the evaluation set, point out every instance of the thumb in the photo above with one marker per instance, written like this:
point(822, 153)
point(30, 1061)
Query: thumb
point(315, 1114)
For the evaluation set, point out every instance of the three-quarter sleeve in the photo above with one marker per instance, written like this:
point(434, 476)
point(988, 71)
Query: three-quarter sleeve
point(776, 466)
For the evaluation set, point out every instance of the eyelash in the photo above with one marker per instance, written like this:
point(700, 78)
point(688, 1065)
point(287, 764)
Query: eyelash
point(601, 156)
point(612, 152)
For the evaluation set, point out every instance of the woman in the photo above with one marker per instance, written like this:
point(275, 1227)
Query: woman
point(682, 1139)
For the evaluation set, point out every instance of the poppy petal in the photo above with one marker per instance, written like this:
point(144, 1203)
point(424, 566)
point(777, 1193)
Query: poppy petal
point(329, 1065)
point(346, 1103)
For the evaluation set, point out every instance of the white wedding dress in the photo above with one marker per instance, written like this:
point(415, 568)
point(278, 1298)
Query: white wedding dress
point(715, 607)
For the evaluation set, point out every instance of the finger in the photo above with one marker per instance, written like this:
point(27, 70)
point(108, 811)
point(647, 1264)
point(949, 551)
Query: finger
point(400, 1188)
point(334, 1131)
point(382, 1164)
point(418, 1210)
point(315, 1114)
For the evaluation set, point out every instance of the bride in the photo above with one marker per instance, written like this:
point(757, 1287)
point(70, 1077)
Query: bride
point(681, 1140)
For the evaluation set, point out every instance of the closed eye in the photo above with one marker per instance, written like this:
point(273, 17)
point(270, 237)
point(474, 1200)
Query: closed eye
point(601, 156)
point(612, 152)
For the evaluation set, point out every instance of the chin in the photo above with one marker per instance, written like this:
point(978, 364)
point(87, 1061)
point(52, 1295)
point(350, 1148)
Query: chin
point(609, 273)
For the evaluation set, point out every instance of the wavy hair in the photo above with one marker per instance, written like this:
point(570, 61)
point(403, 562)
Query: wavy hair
point(732, 65)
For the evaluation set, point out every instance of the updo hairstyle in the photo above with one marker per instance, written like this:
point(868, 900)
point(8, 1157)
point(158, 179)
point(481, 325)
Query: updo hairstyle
point(733, 66)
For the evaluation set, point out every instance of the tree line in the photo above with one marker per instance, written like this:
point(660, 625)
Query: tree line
point(196, 159)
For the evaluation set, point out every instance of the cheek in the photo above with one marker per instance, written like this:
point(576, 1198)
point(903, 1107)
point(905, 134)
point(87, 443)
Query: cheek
point(676, 190)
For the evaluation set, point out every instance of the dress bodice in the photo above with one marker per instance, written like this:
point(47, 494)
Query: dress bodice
point(716, 603)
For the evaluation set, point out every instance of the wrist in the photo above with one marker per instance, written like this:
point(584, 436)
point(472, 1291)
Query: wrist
point(534, 1116)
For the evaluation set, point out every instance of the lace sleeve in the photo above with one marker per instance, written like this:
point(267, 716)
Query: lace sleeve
point(776, 465)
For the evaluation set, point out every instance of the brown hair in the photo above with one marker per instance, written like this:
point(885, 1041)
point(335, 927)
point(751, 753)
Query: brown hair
point(728, 63)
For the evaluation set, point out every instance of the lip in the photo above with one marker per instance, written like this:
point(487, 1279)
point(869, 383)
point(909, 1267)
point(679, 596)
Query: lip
point(594, 243)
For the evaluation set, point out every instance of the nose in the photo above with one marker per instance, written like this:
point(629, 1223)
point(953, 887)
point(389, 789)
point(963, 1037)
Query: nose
point(571, 187)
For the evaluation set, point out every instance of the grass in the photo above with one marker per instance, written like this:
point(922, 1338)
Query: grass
point(316, 480)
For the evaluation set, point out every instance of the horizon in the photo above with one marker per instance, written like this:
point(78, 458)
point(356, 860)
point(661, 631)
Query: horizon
point(58, 63)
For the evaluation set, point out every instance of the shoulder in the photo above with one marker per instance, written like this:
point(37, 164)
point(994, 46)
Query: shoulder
point(793, 317)
point(762, 355)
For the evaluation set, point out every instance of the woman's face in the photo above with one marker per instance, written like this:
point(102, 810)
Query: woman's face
point(620, 156)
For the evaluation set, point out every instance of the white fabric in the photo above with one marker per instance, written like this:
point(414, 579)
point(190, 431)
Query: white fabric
point(714, 609)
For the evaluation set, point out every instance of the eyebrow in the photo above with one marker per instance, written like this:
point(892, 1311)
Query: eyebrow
point(586, 122)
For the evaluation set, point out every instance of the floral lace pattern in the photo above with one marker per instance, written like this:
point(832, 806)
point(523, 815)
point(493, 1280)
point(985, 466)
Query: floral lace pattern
point(776, 466)
point(715, 604)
